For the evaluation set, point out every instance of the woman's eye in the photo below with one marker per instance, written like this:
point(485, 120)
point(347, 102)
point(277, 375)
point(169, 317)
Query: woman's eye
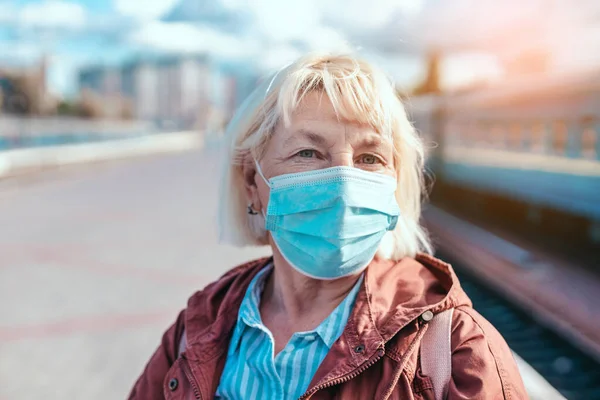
point(306, 153)
point(368, 159)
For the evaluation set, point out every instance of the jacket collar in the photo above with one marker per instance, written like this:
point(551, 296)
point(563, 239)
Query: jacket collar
point(249, 314)
point(393, 297)
point(399, 292)
point(393, 294)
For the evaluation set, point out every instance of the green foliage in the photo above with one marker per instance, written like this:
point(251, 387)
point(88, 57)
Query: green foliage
point(67, 108)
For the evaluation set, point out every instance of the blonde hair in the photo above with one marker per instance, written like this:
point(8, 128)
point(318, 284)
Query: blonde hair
point(360, 93)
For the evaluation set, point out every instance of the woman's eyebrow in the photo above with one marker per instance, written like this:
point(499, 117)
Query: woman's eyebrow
point(374, 141)
point(311, 136)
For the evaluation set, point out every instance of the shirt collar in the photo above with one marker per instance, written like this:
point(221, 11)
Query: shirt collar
point(248, 314)
point(250, 308)
point(329, 330)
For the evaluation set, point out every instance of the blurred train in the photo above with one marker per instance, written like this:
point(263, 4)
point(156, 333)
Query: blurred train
point(536, 141)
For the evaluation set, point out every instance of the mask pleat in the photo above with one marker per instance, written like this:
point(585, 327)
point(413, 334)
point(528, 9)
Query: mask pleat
point(329, 223)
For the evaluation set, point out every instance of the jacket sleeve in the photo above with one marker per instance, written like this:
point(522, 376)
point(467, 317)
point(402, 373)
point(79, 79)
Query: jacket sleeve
point(149, 385)
point(482, 363)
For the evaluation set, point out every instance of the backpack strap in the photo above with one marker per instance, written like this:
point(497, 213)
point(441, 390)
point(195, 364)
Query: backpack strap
point(436, 353)
point(182, 344)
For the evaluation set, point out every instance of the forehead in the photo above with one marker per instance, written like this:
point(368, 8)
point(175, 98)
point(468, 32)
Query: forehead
point(316, 116)
point(315, 106)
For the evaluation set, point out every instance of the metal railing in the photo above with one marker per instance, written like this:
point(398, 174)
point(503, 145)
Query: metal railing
point(557, 117)
point(20, 132)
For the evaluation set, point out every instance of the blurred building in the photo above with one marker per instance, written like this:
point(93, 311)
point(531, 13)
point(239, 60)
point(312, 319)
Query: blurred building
point(23, 90)
point(101, 80)
point(139, 83)
point(101, 95)
point(175, 92)
point(183, 89)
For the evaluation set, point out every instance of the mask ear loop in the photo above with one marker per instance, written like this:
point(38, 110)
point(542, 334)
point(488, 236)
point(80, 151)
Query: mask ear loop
point(259, 170)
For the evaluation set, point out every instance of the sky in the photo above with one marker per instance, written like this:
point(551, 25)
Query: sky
point(479, 34)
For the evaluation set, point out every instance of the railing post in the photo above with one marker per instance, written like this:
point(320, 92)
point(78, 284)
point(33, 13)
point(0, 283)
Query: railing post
point(526, 132)
point(505, 135)
point(473, 134)
point(596, 128)
point(500, 135)
point(574, 132)
point(546, 138)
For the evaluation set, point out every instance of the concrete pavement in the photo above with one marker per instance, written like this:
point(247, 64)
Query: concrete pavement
point(95, 263)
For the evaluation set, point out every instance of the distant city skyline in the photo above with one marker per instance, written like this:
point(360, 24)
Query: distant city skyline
point(79, 33)
point(175, 92)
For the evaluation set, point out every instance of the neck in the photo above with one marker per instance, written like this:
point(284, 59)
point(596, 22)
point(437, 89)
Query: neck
point(305, 301)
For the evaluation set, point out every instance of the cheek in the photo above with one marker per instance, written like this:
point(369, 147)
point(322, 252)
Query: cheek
point(390, 170)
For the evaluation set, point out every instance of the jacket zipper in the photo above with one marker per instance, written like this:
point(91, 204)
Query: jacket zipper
point(191, 379)
point(347, 377)
point(355, 373)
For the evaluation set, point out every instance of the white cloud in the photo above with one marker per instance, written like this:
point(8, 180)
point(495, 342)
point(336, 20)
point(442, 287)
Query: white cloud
point(7, 13)
point(278, 57)
point(19, 52)
point(467, 68)
point(53, 14)
point(319, 25)
point(144, 9)
point(324, 38)
point(282, 21)
point(359, 15)
point(576, 49)
point(272, 40)
point(187, 38)
point(463, 22)
point(403, 70)
point(61, 72)
point(285, 17)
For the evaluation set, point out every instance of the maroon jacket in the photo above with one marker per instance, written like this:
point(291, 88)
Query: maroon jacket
point(375, 358)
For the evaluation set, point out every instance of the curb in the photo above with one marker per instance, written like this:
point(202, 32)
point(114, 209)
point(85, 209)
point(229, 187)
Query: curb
point(31, 159)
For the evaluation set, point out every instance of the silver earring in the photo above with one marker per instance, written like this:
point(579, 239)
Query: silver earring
point(251, 210)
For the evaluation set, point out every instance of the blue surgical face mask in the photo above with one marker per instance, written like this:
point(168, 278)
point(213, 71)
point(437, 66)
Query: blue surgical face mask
point(329, 223)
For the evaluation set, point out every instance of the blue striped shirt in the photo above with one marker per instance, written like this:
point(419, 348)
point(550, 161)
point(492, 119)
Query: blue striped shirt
point(252, 371)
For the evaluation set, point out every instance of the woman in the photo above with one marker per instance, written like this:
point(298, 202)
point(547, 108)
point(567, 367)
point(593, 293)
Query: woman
point(324, 167)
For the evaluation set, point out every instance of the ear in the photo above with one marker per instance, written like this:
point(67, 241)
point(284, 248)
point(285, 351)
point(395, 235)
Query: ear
point(250, 176)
